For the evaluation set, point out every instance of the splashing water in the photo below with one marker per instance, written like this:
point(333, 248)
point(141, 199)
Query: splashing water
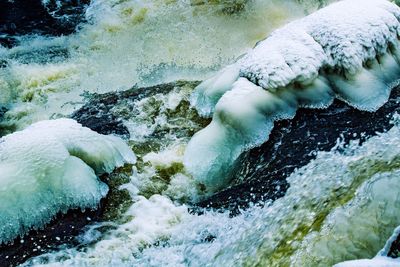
point(324, 218)
point(127, 43)
point(339, 206)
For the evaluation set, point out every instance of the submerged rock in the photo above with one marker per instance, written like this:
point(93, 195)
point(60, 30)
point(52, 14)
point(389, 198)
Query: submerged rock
point(63, 230)
point(156, 119)
point(105, 113)
point(260, 173)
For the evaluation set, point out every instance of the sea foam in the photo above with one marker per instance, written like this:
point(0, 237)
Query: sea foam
point(51, 167)
point(348, 50)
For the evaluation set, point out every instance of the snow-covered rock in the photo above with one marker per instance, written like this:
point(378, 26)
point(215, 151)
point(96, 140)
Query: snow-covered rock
point(349, 50)
point(51, 167)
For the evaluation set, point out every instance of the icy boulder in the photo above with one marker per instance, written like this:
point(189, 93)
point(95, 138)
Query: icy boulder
point(349, 50)
point(51, 167)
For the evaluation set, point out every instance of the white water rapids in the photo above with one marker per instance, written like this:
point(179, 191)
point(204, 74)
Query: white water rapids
point(341, 206)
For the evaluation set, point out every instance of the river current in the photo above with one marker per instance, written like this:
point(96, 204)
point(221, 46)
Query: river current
point(339, 206)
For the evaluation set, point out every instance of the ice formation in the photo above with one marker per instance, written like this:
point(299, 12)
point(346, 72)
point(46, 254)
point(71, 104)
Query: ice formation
point(348, 50)
point(51, 167)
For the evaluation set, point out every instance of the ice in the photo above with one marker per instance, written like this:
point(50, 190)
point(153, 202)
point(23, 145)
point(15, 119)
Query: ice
point(51, 167)
point(347, 50)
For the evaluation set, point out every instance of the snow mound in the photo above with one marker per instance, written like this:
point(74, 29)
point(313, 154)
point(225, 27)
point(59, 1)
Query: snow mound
point(51, 167)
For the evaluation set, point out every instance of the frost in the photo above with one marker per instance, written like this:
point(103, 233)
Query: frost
point(51, 167)
point(348, 50)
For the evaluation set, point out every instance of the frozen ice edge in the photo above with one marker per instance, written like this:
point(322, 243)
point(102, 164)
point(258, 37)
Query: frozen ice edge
point(348, 50)
point(51, 167)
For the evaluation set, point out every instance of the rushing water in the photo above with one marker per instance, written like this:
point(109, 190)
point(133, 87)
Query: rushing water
point(324, 218)
point(131, 42)
point(340, 206)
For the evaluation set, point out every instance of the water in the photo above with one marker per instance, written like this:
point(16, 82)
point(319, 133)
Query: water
point(324, 218)
point(127, 43)
point(338, 207)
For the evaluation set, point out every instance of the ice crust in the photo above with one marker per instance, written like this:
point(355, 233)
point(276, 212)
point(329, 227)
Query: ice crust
point(348, 50)
point(51, 167)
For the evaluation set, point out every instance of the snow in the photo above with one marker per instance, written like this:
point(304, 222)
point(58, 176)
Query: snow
point(348, 50)
point(51, 167)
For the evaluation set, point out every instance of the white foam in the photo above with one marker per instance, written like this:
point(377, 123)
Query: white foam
point(348, 50)
point(132, 42)
point(51, 167)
